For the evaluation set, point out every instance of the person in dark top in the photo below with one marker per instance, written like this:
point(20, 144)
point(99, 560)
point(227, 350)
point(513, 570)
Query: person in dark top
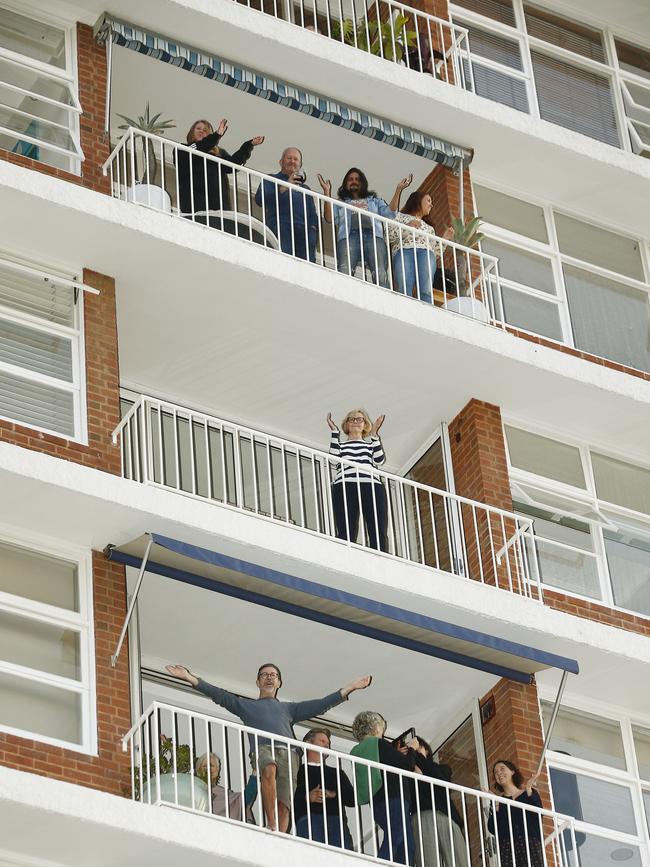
point(276, 765)
point(289, 213)
point(516, 829)
point(317, 800)
point(203, 184)
point(439, 810)
point(389, 794)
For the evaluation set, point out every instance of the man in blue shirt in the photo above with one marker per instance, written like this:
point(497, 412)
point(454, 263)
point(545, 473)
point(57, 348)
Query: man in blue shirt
point(290, 214)
point(276, 765)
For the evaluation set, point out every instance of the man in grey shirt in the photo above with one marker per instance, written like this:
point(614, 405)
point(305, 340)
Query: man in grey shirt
point(276, 765)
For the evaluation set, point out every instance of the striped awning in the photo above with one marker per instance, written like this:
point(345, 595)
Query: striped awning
point(291, 96)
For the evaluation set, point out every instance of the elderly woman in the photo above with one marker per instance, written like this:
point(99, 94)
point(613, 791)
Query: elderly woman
point(355, 490)
point(388, 793)
point(518, 832)
point(203, 184)
point(224, 803)
point(415, 254)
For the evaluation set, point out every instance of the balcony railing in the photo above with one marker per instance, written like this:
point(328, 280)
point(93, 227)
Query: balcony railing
point(394, 31)
point(166, 742)
point(171, 447)
point(299, 222)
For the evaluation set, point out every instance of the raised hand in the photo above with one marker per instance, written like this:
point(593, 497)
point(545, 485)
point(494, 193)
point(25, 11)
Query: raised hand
point(223, 126)
point(404, 183)
point(181, 672)
point(530, 785)
point(331, 424)
point(378, 422)
point(359, 683)
point(257, 140)
point(326, 186)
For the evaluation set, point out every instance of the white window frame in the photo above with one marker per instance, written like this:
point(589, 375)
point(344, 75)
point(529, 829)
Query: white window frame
point(551, 251)
point(67, 77)
point(75, 334)
point(81, 622)
point(587, 496)
point(629, 140)
point(628, 777)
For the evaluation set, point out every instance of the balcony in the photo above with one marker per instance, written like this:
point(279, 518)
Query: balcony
point(168, 446)
point(166, 742)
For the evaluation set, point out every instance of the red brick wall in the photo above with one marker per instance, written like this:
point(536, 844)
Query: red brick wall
point(109, 770)
point(597, 611)
point(102, 388)
point(91, 66)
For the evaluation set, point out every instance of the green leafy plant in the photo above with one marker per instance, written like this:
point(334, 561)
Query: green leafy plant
point(467, 234)
point(165, 759)
point(388, 40)
point(154, 125)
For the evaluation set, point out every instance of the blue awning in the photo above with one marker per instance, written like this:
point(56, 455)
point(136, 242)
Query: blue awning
point(340, 609)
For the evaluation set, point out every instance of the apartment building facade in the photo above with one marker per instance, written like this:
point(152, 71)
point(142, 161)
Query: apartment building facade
point(174, 335)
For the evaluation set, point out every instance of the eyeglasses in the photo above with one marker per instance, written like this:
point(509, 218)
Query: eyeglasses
point(357, 419)
point(271, 675)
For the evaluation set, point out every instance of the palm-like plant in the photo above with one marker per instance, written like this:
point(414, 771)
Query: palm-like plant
point(154, 125)
point(390, 40)
point(467, 234)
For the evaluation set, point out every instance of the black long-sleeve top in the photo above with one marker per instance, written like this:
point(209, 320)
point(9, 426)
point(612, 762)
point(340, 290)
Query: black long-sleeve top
point(515, 816)
point(388, 755)
point(432, 769)
point(328, 780)
point(192, 171)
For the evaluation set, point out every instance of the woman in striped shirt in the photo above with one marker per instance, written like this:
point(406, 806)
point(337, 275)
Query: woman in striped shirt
point(356, 489)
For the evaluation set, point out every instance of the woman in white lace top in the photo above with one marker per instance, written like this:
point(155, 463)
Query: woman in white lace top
point(416, 254)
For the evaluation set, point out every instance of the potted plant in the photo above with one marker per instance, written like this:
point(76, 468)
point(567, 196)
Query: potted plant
point(467, 234)
point(145, 190)
point(176, 786)
point(391, 41)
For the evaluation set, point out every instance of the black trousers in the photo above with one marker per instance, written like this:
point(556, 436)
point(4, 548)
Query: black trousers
point(374, 506)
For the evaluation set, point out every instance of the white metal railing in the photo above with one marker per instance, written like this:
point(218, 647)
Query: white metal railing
point(394, 31)
point(172, 447)
point(299, 222)
point(377, 811)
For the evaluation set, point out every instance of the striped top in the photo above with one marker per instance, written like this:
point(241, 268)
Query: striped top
point(364, 453)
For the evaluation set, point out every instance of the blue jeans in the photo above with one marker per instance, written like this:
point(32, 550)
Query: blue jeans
point(318, 830)
point(297, 239)
point(399, 823)
point(348, 253)
point(415, 268)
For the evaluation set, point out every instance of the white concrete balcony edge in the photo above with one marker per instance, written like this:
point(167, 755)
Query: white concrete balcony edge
point(78, 827)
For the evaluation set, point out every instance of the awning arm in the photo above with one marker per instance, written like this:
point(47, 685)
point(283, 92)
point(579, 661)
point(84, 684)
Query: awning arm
point(511, 541)
point(134, 599)
point(551, 722)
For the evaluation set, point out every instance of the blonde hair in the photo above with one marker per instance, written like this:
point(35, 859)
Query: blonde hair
point(201, 767)
point(367, 425)
point(190, 133)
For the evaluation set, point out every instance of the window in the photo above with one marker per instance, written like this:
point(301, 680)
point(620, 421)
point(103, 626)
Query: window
point(46, 646)
point(591, 517)
point(39, 108)
point(568, 280)
point(559, 69)
point(41, 350)
point(595, 777)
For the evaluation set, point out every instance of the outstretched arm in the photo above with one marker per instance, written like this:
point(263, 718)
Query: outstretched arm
point(182, 673)
point(219, 696)
point(361, 683)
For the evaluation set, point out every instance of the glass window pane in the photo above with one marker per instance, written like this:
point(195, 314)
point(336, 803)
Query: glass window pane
point(510, 213)
point(42, 646)
point(646, 807)
point(573, 569)
point(632, 58)
point(532, 314)
point(35, 404)
point(609, 319)
point(628, 560)
point(642, 748)
point(40, 708)
point(593, 800)
point(499, 87)
point(621, 483)
point(38, 577)
point(565, 34)
point(575, 98)
point(521, 266)
point(596, 851)
point(36, 296)
point(598, 246)
point(545, 457)
point(586, 736)
point(32, 38)
point(494, 47)
point(35, 350)
point(500, 10)
point(38, 84)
